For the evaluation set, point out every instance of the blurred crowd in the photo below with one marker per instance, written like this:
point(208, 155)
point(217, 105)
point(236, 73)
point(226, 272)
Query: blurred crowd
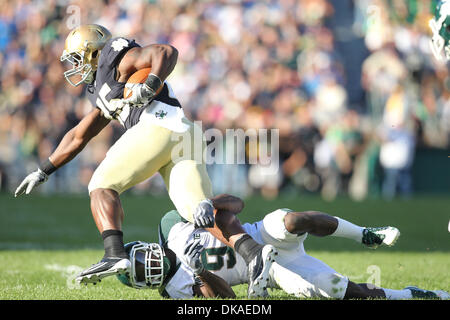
point(351, 85)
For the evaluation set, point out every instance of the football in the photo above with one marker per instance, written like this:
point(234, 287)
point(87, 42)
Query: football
point(138, 77)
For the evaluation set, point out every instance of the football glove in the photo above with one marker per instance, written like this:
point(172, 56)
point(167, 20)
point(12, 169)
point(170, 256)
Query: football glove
point(113, 108)
point(141, 94)
point(192, 254)
point(204, 215)
point(31, 181)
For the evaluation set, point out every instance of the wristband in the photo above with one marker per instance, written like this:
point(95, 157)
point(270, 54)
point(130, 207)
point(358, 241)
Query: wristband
point(153, 82)
point(47, 167)
point(198, 271)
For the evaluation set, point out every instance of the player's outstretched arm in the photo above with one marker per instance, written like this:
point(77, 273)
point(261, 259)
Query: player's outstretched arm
point(77, 138)
point(72, 143)
point(161, 58)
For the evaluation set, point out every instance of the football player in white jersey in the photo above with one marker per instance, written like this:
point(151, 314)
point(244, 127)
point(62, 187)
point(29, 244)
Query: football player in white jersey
point(190, 262)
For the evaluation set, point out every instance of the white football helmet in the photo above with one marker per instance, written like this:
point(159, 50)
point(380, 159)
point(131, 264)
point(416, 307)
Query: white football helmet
point(149, 265)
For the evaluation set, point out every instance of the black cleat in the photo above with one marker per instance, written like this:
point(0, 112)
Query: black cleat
point(105, 268)
point(258, 272)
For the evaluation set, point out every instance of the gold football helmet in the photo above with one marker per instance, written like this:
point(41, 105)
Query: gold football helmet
point(82, 50)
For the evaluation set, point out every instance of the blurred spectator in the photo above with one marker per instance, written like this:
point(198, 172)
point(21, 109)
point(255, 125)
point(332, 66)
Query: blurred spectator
point(397, 145)
point(243, 64)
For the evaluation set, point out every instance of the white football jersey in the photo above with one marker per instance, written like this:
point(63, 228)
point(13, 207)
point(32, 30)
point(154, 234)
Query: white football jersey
point(295, 272)
point(175, 233)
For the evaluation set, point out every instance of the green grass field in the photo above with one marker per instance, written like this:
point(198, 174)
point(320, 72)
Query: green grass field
point(45, 241)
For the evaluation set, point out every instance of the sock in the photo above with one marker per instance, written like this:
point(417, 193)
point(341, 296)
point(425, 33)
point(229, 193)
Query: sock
point(397, 294)
point(348, 230)
point(113, 243)
point(247, 248)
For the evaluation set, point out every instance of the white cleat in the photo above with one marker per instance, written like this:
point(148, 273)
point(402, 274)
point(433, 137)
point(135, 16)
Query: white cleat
point(443, 295)
point(258, 272)
point(374, 237)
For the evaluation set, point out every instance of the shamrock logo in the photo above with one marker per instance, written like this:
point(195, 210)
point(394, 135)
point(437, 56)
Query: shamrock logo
point(119, 44)
point(160, 114)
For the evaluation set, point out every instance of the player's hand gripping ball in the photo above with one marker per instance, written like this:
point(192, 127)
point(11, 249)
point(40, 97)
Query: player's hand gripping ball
point(135, 92)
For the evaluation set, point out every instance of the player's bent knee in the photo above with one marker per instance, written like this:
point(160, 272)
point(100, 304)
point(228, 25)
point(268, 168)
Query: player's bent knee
point(94, 184)
point(290, 221)
point(101, 196)
point(99, 182)
point(102, 199)
point(298, 222)
point(225, 219)
point(103, 192)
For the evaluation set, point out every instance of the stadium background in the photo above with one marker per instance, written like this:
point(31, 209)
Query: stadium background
point(342, 80)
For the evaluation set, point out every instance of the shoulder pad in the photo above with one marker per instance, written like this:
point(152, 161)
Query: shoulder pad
point(170, 219)
point(114, 50)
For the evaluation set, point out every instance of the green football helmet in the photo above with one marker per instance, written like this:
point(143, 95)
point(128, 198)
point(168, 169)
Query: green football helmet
point(440, 26)
point(149, 265)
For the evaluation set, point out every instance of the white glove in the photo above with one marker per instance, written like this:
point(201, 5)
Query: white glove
point(192, 254)
point(113, 108)
point(204, 215)
point(141, 94)
point(31, 181)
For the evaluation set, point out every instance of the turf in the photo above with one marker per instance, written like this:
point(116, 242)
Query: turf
point(45, 241)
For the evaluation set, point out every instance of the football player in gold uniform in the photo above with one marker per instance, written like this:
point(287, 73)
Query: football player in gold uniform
point(154, 122)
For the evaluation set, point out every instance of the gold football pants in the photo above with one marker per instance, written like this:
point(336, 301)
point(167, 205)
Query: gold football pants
point(146, 149)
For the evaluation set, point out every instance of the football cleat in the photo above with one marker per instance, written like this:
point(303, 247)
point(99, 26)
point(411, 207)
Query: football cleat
point(258, 272)
point(374, 237)
point(105, 268)
point(428, 294)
